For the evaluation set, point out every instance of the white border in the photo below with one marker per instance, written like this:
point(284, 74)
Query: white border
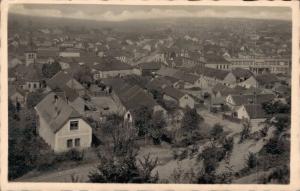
point(295, 144)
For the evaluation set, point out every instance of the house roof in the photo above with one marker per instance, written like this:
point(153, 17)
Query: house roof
point(241, 73)
point(109, 64)
point(252, 98)
point(213, 73)
point(59, 83)
point(55, 113)
point(131, 96)
point(150, 66)
point(177, 74)
point(255, 111)
point(174, 93)
point(215, 59)
point(159, 83)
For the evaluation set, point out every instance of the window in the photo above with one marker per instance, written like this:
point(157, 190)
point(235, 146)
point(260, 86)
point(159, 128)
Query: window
point(34, 86)
point(29, 85)
point(77, 142)
point(69, 143)
point(73, 125)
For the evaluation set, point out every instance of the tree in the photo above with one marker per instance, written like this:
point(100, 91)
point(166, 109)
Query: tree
point(251, 160)
point(84, 75)
point(33, 99)
point(245, 131)
point(281, 123)
point(191, 119)
point(156, 127)
point(122, 136)
point(217, 131)
point(142, 118)
point(49, 70)
point(124, 170)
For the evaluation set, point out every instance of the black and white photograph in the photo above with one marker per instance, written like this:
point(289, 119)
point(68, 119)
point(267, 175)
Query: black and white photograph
point(156, 94)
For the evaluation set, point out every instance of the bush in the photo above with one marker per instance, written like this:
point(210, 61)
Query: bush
point(251, 161)
point(275, 146)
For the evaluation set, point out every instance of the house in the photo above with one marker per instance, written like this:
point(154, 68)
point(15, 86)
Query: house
point(234, 101)
point(28, 77)
point(61, 126)
point(250, 82)
point(130, 97)
point(149, 67)
point(217, 62)
point(63, 79)
point(108, 68)
point(180, 78)
point(209, 77)
point(254, 113)
point(16, 95)
point(70, 53)
point(182, 99)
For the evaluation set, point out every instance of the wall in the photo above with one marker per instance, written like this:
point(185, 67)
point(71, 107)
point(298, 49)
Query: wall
point(84, 133)
point(45, 132)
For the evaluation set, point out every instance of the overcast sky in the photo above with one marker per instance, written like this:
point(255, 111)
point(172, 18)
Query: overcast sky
point(128, 12)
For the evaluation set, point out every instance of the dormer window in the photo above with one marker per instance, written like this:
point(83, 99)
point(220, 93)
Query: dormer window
point(74, 125)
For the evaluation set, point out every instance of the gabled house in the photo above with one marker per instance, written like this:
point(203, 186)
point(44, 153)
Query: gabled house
point(110, 67)
point(182, 99)
point(62, 79)
point(131, 97)
point(61, 126)
point(28, 77)
point(234, 101)
point(254, 113)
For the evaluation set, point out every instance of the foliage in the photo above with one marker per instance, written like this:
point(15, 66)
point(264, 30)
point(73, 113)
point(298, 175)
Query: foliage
point(280, 175)
point(276, 107)
point(251, 160)
point(281, 123)
point(124, 170)
point(122, 135)
point(228, 144)
point(149, 123)
point(33, 99)
point(217, 131)
point(276, 146)
point(49, 70)
point(245, 131)
point(84, 75)
point(191, 119)
point(142, 118)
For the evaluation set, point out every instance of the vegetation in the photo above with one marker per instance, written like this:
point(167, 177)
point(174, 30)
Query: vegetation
point(49, 70)
point(216, 131)
point(276, 107)
point(150, 124)
point(245, 133)
point(125, 169)
point(251, 160)
point(33, 99)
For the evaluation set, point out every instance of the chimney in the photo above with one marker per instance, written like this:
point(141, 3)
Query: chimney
point(67, 99)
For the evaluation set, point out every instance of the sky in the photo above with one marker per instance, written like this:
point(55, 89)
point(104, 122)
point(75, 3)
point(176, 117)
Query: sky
point(130, 12)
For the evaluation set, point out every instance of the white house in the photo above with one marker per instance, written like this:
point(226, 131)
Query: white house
point(182, 99)
point(61, 127)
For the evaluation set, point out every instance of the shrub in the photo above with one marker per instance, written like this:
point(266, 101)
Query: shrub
point(251, 160)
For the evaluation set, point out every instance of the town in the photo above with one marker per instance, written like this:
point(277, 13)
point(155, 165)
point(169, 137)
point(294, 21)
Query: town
point(181, 101)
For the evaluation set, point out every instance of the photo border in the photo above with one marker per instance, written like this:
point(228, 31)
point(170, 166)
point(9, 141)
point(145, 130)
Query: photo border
point(295, 143)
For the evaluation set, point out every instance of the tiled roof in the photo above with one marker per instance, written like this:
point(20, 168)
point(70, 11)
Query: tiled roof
point(177, 74)
point(110, 64)
point(131, 96)
point(56, 114)
point(174, 93)
point(252, 98)
point(241, 73)
point(150, 66)
point(213, 73)
point(255, 111)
